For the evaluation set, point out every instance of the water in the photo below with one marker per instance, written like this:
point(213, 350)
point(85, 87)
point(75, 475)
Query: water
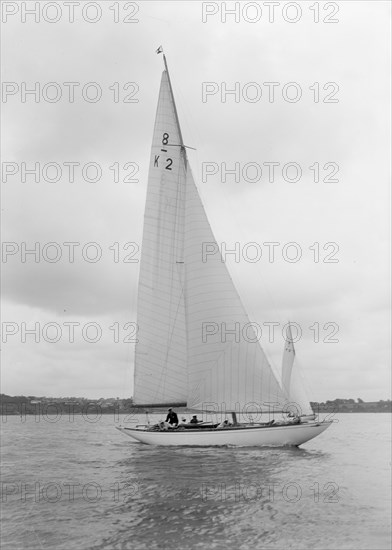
point(85, 485)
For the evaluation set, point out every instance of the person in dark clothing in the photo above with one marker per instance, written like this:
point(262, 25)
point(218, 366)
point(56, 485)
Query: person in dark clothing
point(172, 417)
point(194, 420)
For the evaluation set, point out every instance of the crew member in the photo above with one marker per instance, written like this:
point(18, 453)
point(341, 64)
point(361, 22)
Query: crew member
point(172, 417)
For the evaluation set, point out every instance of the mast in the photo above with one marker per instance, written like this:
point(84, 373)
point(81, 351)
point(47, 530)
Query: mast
point(174, 102)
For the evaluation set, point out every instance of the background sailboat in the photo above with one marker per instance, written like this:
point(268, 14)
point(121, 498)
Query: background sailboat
point(292, 383)
point(179, 360)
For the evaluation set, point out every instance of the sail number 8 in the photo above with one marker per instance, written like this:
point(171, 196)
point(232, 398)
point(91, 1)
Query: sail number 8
point(169, 161)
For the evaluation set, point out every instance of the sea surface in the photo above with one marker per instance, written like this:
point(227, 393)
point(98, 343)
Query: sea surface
point(75, 483)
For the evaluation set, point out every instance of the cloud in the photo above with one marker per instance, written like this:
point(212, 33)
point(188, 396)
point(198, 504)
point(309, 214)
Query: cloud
point(351, 212)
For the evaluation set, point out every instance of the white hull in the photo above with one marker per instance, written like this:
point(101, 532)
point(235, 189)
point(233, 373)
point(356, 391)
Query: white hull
point(278, 436)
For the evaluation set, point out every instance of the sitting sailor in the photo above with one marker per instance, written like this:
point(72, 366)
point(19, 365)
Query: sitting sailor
point(194, 419)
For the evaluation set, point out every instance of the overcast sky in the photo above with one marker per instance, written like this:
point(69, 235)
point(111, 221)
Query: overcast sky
point(350, 130)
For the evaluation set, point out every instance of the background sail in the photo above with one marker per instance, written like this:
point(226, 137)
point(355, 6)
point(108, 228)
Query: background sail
point(292, 382)
point(161, 351)
point(231, 370)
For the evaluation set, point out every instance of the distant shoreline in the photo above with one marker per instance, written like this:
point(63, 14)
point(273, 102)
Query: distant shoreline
point(67, 406)
point(140, 411)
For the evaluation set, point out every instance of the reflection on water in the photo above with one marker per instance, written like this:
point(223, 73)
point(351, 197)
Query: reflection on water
point(227, 494)
point(331, 493)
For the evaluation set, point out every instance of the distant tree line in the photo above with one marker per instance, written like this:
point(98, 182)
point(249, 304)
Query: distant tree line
point(350, 405)
point(24, 405)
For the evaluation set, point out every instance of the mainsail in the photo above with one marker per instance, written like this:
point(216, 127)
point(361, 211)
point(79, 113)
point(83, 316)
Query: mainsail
point(181, 293)
point(161, 351)
point(292, 383)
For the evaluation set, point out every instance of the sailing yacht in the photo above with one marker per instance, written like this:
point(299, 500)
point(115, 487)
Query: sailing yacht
point(179, 294)
point(292, 383)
